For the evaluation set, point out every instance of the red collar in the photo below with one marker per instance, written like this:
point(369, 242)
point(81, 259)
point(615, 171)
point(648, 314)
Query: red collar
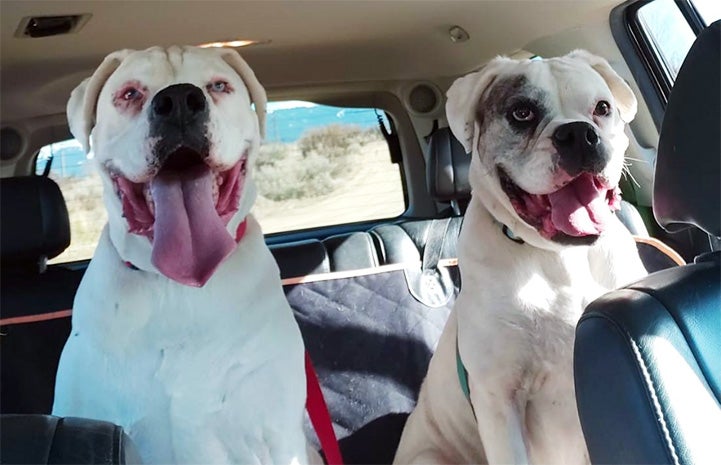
point(239, 233)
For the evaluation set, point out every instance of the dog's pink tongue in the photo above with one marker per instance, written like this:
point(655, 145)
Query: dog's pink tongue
point(580, 208)
point(190, 239)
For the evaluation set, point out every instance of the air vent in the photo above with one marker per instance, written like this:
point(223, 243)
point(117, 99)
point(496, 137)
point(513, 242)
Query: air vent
point(32, 27)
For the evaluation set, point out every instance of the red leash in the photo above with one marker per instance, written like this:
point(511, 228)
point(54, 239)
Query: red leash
point(320, 417)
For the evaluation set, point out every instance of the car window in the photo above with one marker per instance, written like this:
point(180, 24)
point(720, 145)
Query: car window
point(82, 189)
point(319, 166)
point(667, 35)
point(710, 10)
point(323, 165)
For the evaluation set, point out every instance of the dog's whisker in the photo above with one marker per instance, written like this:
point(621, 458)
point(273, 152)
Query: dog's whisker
point(637, 159)
point(628, 175)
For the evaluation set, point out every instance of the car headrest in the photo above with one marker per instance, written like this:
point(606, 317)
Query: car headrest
point(35, 223)
point(447, 168)
point(687, 186)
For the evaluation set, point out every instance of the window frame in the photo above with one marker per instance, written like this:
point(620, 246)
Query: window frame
point(647, 52)
point(692, 16)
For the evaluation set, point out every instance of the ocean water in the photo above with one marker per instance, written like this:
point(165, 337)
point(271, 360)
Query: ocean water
point(288, 125)
point(284, 123)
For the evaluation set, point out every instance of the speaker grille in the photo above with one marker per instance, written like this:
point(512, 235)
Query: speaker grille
point(11, 143)
point(423, 99)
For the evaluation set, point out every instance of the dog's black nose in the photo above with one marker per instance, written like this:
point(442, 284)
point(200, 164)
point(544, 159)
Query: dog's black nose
point(579, 147)
point(180, 104)
point(178, 119)
point(578, 135)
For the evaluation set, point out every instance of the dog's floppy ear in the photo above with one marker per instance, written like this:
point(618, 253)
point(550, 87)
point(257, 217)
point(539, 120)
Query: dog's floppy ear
point(255, 89)
point(84, 98)
point(463, 97)
point(622, 93)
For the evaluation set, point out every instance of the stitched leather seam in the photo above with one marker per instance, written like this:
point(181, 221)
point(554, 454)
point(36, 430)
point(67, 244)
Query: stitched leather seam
point(648, 381)
point(651, 389)
point(702, 369)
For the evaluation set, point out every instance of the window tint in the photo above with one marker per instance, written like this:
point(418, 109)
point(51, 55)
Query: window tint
point(319, 166)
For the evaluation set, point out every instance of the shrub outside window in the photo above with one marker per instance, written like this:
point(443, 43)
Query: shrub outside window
point(323, 165)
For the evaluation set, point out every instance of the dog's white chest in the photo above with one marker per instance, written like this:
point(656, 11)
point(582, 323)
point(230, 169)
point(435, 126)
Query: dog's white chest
point(517, 314)
point(193, 375)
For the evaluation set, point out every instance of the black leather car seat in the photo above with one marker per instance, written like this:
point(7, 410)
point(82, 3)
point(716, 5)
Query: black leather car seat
point(33, 329)
point(45, 439)
point(648, 357)
point(35, 227)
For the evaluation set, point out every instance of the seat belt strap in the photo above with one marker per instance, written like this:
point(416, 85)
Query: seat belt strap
point(320, 416)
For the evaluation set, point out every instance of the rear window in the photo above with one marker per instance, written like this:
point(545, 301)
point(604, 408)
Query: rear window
point(82, 189)
point(322, 165)
point(319, 166)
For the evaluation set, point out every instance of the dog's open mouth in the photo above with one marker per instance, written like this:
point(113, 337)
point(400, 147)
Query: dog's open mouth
point(184, 210)
point(581, 208)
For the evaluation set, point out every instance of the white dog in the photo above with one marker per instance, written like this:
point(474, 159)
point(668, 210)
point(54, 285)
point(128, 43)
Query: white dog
point(539, 242)
point(181, 332)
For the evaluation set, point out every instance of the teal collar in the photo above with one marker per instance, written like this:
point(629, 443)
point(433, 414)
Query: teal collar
point(463, 378)
point(462, 374)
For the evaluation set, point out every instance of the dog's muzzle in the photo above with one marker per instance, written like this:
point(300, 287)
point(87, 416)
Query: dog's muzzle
point(580, 209)
point(178, 118)
point(579, 148)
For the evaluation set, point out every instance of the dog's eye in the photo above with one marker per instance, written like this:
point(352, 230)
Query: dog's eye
point(131, 93)
point(130, 97)
point(523, 114)
point(219, 87)
point(603, 108)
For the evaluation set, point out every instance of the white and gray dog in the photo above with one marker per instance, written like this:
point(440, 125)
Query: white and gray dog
point(539, 242)
point(181, 331)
